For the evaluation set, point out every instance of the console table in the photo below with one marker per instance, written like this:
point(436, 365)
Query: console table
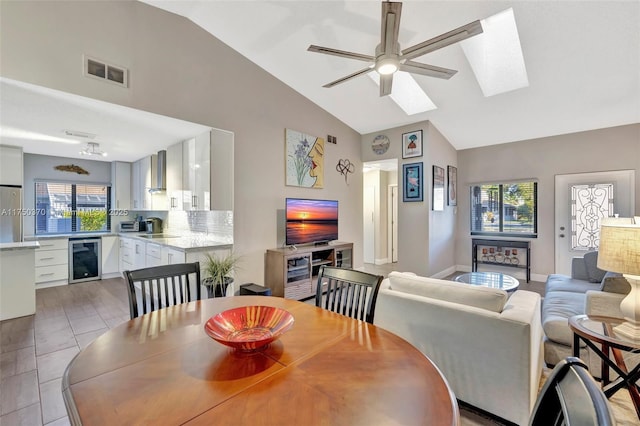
point(292, 273)
point(498, 255)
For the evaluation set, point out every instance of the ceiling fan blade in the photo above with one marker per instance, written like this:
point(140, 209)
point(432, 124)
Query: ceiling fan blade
point(386, 82)
point(390, 26)
point(349, 77)
point(443, 40)
point(430, 70)
point(341, 53)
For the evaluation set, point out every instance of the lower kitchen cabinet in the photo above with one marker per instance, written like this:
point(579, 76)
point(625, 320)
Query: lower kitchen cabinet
point(126, 254)
point(110, 255)
point(153, 255)
point(172, 256)
point(52, 261)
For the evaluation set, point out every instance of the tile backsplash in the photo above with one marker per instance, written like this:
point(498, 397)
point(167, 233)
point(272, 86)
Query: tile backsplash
point(218, 223)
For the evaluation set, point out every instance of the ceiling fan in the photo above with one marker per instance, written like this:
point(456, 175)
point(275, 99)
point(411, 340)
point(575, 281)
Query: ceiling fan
point(389, 58)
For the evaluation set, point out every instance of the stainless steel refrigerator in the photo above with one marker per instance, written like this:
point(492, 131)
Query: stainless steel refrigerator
point(10, 213)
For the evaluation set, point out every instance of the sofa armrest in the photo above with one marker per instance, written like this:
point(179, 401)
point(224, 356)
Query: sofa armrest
point(603, 303)
point(579, 269)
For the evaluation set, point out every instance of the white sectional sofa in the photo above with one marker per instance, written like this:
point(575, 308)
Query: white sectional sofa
point(487, 343)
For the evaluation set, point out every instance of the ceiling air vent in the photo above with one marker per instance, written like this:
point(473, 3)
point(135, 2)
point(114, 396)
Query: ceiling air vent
point(97, 68)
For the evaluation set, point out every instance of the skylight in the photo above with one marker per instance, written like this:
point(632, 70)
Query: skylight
point(496, 56)
point(407, 93)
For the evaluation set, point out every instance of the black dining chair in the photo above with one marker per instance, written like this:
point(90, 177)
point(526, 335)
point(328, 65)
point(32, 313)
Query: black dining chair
point(161, 286)
point(571, 396)
point(348, 292)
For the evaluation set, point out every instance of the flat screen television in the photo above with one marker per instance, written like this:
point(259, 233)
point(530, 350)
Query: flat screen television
point(311, 221)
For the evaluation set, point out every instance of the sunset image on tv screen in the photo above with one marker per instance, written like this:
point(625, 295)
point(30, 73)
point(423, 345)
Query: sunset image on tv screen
point(311, 221)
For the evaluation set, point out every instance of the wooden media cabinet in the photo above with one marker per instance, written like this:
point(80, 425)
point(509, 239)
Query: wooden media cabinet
point(292, 273)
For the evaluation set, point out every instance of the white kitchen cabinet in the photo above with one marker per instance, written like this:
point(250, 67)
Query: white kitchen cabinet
point(139, 254)
point(126, 254)
point(153, 255)
point(172, 256)
point(141, 182)
point(120, 185)
point(110, 255)
point(52, 261)
point(196, 172)
point(136, 202)
point(10, 165)
point(222, 171)
point(17, 284)
point(174, 177)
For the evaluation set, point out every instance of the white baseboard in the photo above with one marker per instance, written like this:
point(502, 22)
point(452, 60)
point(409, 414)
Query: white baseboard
point(445, 273)
point(381, 261)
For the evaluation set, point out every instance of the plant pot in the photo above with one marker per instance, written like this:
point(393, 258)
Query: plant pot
point(217, 289)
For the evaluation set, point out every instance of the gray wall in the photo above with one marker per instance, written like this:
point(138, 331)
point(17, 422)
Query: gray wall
point(426, 239)
point(616, 148)
point(179, 70)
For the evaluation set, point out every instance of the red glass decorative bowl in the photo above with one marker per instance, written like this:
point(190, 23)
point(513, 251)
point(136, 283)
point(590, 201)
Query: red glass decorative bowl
point(249, 328)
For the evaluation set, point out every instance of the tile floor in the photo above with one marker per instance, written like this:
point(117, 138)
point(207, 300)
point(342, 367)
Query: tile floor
point(35, 350)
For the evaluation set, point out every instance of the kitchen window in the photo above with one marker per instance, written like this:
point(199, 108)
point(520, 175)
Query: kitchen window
point(63, 208)
point(505, 209)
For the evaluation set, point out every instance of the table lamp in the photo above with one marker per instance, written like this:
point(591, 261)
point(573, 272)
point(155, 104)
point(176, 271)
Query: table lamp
point(619, 251)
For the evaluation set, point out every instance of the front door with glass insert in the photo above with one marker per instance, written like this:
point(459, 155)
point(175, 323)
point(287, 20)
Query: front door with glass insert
point(582, 201)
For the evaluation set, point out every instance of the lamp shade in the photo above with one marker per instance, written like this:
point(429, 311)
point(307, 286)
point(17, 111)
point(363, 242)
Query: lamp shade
point(619, 249)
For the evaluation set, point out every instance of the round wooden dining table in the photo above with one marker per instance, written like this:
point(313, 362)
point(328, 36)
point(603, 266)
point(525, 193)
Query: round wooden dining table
point(328, 369)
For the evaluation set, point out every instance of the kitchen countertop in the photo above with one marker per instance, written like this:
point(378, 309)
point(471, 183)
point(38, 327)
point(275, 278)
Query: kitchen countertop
point(193, 242)
point(25, 245)
point(76, 235)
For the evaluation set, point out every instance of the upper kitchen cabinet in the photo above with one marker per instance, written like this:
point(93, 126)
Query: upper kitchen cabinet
point(10, 165)
point(140, 183)
point(174, 177)
point(221, 170)
point(120, 185)
point(196, 172)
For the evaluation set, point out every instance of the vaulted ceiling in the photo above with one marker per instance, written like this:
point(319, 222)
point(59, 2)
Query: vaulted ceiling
point(582, 60)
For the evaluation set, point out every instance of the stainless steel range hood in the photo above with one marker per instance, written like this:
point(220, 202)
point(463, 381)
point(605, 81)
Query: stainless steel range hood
point(159, 172)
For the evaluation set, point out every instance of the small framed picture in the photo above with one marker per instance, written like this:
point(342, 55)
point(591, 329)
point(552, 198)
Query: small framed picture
point(438, 189)
point(452, 186)
point(412, 144)
point(412, 182)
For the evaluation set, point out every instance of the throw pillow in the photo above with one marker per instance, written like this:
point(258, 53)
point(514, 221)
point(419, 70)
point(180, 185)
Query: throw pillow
point(614, 282)
point(491, 299)
point(594, 273)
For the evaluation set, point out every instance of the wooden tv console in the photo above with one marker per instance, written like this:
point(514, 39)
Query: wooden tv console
point(292, 273)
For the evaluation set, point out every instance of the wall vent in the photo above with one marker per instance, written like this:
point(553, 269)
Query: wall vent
point(97, 68)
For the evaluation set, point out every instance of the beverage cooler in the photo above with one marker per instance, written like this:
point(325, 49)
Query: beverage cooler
point(85, 259)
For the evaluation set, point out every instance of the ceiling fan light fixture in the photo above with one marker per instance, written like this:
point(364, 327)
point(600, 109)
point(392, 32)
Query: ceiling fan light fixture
point(387, 66)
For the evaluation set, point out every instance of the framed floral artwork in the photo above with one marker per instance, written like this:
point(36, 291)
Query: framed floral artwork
point(438, 189)
point(304, 160)
point(452, 186)
point(412, 182)
point(412, 144)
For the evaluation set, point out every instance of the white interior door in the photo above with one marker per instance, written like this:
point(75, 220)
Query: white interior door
point(582, 201)
point(392, 226)
point(368, 209)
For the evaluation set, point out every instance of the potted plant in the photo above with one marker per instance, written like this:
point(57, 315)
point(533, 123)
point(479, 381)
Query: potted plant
point(217, 270)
